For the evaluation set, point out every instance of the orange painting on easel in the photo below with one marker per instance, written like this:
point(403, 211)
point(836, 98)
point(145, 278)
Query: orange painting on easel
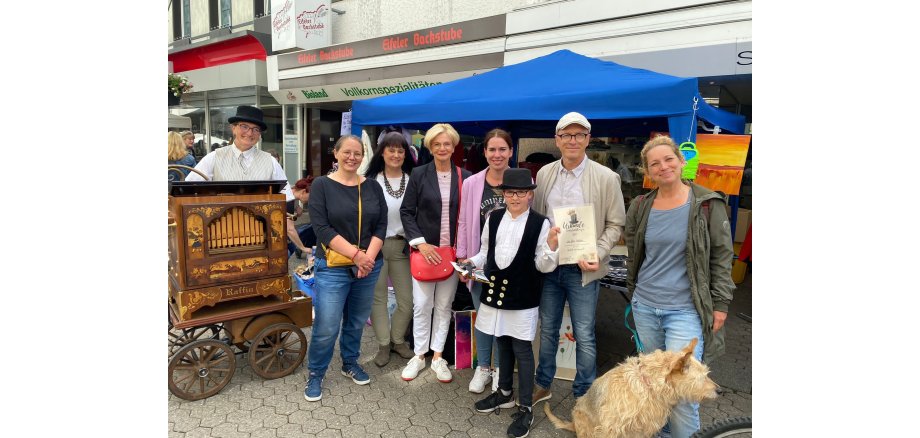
point(721, 165)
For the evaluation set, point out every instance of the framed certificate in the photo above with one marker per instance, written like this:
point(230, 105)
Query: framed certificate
point(577, 239)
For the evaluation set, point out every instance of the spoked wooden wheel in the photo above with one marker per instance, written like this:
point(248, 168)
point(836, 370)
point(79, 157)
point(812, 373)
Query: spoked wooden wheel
point(201, 369)
point(277, 350)
point(181, 338)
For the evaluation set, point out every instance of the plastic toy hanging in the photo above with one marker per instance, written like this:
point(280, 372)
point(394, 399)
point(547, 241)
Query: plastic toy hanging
point(688, 148)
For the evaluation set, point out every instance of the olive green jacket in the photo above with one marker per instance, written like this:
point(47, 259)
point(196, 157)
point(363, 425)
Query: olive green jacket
point(709, 258)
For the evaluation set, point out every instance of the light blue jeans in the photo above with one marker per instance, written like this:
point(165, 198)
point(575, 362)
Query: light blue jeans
point(342, 304)
point(484, 341)
point(559, 286)
point(672, 330)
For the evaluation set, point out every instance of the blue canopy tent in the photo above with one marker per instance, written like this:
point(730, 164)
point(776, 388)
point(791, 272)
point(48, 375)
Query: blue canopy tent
point(531, 96)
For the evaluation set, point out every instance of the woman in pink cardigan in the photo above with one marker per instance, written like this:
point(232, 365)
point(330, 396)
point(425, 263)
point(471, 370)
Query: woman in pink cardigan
point(481, 197)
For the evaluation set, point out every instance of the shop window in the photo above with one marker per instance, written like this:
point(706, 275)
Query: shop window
point(186, 19)
point(220, 14)
point(225, 15)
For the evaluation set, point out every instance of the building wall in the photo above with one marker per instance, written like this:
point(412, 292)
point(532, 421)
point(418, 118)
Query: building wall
point(199, 9)
point(242, 12)
point(365, 19)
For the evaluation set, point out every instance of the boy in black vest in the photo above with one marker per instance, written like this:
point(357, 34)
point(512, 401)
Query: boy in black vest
point(518, 246)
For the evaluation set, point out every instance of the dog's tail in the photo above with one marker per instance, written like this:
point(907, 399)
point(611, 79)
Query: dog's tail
point(556, 421)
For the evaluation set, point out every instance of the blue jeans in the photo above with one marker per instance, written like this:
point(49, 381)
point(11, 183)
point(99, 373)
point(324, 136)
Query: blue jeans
point(342, 303)
point(672, 330)
point(559, 286)
point(484, 341)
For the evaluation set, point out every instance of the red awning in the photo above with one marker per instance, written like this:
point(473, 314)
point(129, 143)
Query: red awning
point(239, 49)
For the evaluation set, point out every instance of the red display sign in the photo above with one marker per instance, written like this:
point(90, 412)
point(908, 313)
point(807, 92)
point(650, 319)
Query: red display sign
point(473, 30)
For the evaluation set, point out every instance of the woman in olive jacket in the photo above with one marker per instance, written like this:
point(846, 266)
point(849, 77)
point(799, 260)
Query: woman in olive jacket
point(679, 266)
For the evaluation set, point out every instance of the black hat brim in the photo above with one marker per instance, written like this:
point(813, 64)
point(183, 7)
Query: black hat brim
point(507, 187)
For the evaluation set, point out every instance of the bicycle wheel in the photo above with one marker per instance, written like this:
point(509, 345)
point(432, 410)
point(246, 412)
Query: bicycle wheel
point(732, 427)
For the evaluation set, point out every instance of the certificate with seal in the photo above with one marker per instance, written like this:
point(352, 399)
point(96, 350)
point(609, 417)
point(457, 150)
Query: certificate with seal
point(577, 239)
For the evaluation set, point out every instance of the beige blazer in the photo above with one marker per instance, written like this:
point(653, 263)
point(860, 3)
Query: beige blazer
point(601, 188)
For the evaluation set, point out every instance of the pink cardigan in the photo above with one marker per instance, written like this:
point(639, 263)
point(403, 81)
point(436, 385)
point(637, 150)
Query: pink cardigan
point(468, 238)
point(468, 242)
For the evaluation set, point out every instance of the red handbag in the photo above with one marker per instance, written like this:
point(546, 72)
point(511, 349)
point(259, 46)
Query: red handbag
point(424, 271)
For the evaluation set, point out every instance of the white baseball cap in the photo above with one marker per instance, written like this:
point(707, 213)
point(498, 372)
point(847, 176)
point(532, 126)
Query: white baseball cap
point(571, 118)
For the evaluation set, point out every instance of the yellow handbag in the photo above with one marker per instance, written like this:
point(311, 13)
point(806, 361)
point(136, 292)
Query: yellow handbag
point(335, 259)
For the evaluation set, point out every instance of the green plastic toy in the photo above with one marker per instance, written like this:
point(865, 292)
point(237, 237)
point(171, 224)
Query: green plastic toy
point(692, 157)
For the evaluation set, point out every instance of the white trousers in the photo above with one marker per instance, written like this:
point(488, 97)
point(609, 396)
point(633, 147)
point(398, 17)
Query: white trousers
point(425, 297)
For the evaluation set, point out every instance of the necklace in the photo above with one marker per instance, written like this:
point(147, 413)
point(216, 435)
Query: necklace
point(402, 186)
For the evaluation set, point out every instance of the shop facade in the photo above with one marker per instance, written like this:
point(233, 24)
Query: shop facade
point(711, 41)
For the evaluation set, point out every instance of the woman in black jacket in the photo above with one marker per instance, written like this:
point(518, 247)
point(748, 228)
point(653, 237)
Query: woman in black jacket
point(429, 215)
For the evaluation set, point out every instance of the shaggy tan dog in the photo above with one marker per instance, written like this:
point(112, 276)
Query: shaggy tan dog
point(635, 398)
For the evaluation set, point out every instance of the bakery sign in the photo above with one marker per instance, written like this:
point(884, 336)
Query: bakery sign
point(438, 36)
point(304, 24)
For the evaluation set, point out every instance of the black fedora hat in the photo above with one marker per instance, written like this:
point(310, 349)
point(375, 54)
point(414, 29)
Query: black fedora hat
point(517, 178)
point(249, 114)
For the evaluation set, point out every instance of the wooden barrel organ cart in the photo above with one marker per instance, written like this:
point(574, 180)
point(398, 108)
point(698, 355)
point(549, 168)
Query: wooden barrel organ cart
point(229, 286)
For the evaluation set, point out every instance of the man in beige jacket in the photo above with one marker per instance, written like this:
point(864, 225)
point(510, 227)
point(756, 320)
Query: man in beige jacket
point(571, 181)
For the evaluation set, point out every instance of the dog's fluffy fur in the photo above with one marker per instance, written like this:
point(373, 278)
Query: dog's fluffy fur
point(635, 398)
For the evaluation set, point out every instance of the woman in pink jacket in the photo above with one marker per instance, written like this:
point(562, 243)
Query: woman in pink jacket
point(480, 197)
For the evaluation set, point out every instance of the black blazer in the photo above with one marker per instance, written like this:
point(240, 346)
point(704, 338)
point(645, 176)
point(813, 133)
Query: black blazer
point(421, 207)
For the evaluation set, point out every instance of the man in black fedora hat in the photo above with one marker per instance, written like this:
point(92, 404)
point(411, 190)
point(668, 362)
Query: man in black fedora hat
point(242, 161)
point(518, 246)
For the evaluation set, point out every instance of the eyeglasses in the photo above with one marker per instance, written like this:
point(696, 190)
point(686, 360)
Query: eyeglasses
point(247, 128)
point(515, 193)
point(566, 137)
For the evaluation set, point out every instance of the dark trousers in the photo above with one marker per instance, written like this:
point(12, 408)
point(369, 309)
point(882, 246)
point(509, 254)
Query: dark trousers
point(509, 350)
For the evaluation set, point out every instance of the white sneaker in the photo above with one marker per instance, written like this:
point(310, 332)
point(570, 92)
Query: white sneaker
point(480, 378)
point(411, 370)
point(440, 369)
point(495, 380)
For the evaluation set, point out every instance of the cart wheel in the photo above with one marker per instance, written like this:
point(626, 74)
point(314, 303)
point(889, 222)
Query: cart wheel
point(201, 369)
point(277, 350)
point(179, 339)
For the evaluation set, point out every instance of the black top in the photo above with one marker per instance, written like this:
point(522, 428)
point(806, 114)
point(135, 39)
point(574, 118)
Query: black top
point(334, 212)
point(519, 285)
point(490, 202)
point(421, 207)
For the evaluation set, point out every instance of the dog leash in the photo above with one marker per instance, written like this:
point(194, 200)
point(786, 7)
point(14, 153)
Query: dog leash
point(635, 335)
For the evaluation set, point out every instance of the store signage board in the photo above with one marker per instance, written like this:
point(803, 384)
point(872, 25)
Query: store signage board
point(304, 24)
point(456, 33)
point(290, 143)
point(365, 90)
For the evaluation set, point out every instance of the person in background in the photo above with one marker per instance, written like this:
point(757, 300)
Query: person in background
point(178, 154)
point(189, 140)
point(575, 180)
point(275, 155)
point(679, 267)
point(621, 169)
point(344, 294)
point(390, 167)
point(300, 241)
point(517, 247)
point(242, 161)
point(429, 216)
point(480, 197)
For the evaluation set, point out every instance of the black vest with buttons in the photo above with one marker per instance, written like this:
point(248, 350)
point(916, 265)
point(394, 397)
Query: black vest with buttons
point(520, 284)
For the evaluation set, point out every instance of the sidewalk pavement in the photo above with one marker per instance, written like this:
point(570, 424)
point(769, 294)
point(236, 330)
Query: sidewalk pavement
point(390, 407)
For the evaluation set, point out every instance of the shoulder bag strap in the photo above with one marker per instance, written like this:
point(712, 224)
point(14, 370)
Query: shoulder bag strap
point(459, 204)
point(359, 213)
